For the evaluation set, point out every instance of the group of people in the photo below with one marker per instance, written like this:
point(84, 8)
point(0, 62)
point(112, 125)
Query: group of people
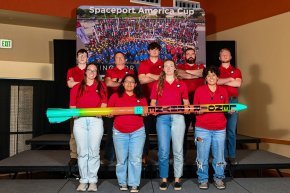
point(131, 35)
point(158, 83)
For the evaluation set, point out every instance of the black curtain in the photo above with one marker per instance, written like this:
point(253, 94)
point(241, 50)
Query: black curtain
point(4, 119)
point(43, 97)
point(64, 58)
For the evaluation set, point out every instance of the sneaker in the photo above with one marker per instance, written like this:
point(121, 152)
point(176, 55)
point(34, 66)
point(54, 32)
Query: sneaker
point(163, 186)
point(92, 187)
point(203, 185)
point(177, 186)
point(82, 187)
point(73, 161)
point(219, 184)
point(134, 189)
point(123, 187)
point(233, 160)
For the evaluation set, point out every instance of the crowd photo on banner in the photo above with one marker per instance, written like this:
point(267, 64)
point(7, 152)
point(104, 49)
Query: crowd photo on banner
point(129, 57)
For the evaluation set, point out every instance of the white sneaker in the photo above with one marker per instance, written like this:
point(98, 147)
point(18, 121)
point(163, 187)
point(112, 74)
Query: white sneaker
point(82, 187)
point(92, 187)
point(203, 185)
point(219, 184)
point(123, 187)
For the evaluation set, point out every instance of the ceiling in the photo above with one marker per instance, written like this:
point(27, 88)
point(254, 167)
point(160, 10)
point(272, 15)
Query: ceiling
point(36, 20)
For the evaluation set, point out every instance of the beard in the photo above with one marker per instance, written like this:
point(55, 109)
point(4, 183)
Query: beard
point(225, 61)
point(190, 60)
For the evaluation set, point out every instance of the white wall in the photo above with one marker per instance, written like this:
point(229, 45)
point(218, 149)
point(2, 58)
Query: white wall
point(32, 54)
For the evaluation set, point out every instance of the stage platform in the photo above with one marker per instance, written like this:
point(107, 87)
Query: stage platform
point(50, 153)
point(56, 160)
point(63, 139)
point(37, 160)
point(49, 139)
point(237, 185)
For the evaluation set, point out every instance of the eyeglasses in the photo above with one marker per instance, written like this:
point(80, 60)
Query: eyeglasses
point(91, 71)
point(129, 82)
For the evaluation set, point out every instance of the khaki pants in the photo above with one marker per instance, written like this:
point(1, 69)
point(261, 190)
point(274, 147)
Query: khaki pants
point(72, 141)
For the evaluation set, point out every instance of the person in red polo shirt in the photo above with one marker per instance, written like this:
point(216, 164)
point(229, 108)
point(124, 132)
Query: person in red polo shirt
point(231, 79)
point(191, 74)
point(113, 79)
point(169, 90)
point(210, 130)
point(74, 76)
point(128, 133)
point(88, 131)
point(148, 72)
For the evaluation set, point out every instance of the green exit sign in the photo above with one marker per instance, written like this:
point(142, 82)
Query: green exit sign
point(5, 43)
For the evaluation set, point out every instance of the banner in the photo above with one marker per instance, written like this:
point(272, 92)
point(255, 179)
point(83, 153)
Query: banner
point(104, 31)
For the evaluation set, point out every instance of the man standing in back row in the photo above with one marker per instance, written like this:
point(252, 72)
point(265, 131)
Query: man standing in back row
point(148, 73)
point(191, 74)
point(113, 79)
point(231, 79)
point(74, 76)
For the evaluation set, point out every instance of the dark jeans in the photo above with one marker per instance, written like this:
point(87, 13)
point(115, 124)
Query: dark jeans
point(232, 119)
point(189, 119)
point(109, 149)
point(150, 127)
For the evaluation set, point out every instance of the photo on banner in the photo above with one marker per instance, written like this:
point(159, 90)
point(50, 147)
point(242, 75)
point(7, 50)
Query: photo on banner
point(104, 31)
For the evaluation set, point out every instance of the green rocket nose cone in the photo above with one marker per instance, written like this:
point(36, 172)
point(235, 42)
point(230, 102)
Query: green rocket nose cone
point(57, 115)
point(240, 107)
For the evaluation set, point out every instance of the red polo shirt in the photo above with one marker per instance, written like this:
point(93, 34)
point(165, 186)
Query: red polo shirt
point(76, 73)
point(127, 123)
point(192, 84)
point(233, 73)
point(116, 73)
point(147, 66)
point(91, 98)
point(211, 121)
point(172, 94)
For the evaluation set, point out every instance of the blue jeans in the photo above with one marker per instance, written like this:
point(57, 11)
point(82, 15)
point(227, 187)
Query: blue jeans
point(206, 140)
point(88, 132)
point(170, 126)
point(129, 149)
point(230, 144)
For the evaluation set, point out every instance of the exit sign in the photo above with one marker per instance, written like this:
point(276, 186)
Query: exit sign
point(4, 43)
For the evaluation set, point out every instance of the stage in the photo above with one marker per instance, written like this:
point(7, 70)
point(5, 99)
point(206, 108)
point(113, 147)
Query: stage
point(45, 169)
point(237, 185)
point(43, 157)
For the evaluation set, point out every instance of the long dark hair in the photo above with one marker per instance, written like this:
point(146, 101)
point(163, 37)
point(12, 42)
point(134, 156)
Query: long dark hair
point(101, 89)
point(162, 77)
point(137, 90)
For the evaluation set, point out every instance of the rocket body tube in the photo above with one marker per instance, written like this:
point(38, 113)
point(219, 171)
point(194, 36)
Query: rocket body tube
point(56, 115)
